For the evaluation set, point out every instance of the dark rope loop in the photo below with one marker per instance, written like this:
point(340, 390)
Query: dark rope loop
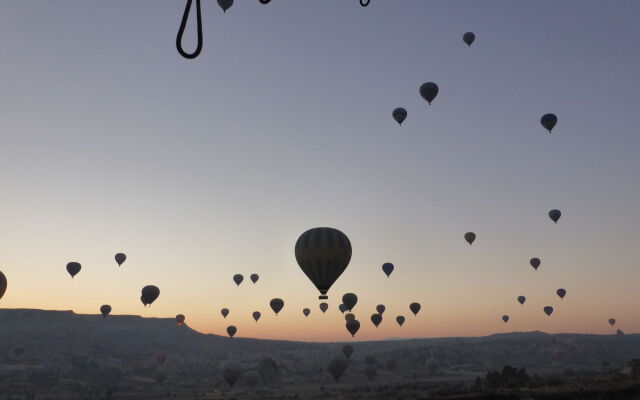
point(183, 25)
point(364, 3)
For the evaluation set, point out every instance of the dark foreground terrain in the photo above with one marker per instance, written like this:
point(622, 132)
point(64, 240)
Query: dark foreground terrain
point(62, 355)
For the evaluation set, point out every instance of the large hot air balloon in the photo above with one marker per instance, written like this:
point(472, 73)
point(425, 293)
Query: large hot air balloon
point(256, 315)
point(349, 317)
point(347, 350)
point(548, 310)
point(105, 310)
point(120, 258)
point(415, 308)
point(505, 318)
point(387, 268)
point(555, 215)
point(470, 237)
point(376, 319)
point(231, 370)
point(306, 312)
point(400, 320)
point(370, 371)
point(276, 305)
point(231, 331)
point(224, 312)
point(521, 299)
point(254, 278)
point(349, 300)
point(399, 114)
point(353, 326)
point(238, 278)
point(548, 121)
point(3, 284)
point(380, 309)
point(150, 294)
point(535, 263)
point(323, 254)
point(337, 366)
point(324, 307)
point(429, 91)
point(342, 308)
point(179, 319)
point(561, 293)
point(73, 268)
point(468, 38)
point(225, 5)
point(612, 321)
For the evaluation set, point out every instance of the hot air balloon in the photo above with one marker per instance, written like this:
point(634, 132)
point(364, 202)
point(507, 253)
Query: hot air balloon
point(548, 121)
point(224, 312)
point(521, 299)
point(349, 300)
point(380, 309)
point(231, 370)
point(468, 38)
point(555, 215)
point(323, 254)
point(256, 315)
point(400, 320)
point(264, 1)
point(548, 310)
point(324, 307)
point(225, 4)
point(254, 278)
point(73, 268)
point(364, 3)
point(415, 308)
point(349, 317)
point(238, 278)
point(470, 237)
point(535, 263)
point(376, 319)
point(429, 91)
point(252, 378)
point(399, 114)
point(306, 312)
point(180, 319)
point(337, 366)
point(347, 350)
point(370, 371)
point(505, 318)
point(276, 305)
point(342, 308)
point(3, 284)
point(231, 331)
point(612, 321)
point(619, 332)
point(120, 258)
point(150, 294)
point(105, 310)
point(353, 326)
point(561, 293)
point(387, 268)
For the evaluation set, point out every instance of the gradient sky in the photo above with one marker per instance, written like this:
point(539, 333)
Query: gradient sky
point(199, 169)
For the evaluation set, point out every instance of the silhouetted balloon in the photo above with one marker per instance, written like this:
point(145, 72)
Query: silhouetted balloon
point(505, 318)
point(535, 263)
point(347, 350)
point(468, 38)
point(342, 308)
point(306, 312)
point(337, 366)
point(548, 121)
point(180, 319)
point(353, 326)
point(73, 268)
point(612, 321)
point(561, 293)
point(150, 294)
point(323, 254)
point(224, 312)
point(231, 370)
point(380, 309)
point(400, 320)
point(120, 258)
point(264, 1)
point(370, 371)
point(555, 215)
point(349, 300)
point(256, 315)
point(349, 317)
point(548, 310)
point(429, 91)
point(619, 332)
point(252, 378)
point(376, 319)
point(231, 331)
point(470, 237)
point(143, 301)
point(276, 305)
point(364, 3)
point(225, 4)
point(521, 299)
point(387, 268)
point(415, 308)
point(238, 278)
point(105, 310)
point(3, 284)
point(324, 307)
point(399, 114)
point(254, 278)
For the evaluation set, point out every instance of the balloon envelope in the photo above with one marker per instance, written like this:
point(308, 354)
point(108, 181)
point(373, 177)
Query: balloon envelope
point(256, 315)
point(342, 308)
point(349, 317)
point(306, 312)
point(105, 310)
point(549, 121)
point(548, 310)
point(349, 300)
point(347, 350)
point(535, 263)
point(468, 38)
point(521, 299)
point(429, 91)
point(555, 215)
point(120, 258)
point(400, 320)
point(73, 268)
point(353, 326)
point(225, 4)
point(224, 312)
point(231, 370)
point(276, 305)
point(399, 115)
point(370, 371)
point(180, 319)
point(254, 278)
point(470, 237)
point(387, 268)
point(238, 278)
point(324, 307)
point(380, 309)
point(376, 319)
point(3, 284)
point(337, 366)
point(415, 308)
point(150, 294)
point(231, 331)
point(561, 293)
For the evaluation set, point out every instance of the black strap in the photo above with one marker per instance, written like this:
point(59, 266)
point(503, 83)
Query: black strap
point(183, 25)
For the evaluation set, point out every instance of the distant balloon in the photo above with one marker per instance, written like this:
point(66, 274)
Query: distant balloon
point(619, 332)
point(387, 268)
point(548, 121)
point(256, 315)
point(324, 307)
point(349, 317)
point(238, 278)
point(364, 3)
point(612, 321)
point(150, 294)
point(73, 268)
point(399, 114)
point(468, 38)
point(231, 370)
point(370, 371)
point(380, 309)
point(561, 293)
point(521, 299)
point(347, 350)
point(376, 319)
point(264, 1)
point(225, 4)
point(251, 378)
point(349, 300)
point(231, 331)
point(306, 312)
point(400, 320)
point(505, 318)
point(470, 237)
point(555, 215)
point(429, 91)
point(276, 305)
point(254, 278)
point(323, 254)
point(535, 263)
point(415, 308)
point(353, 326)
point(548, 310)
point(342, 308)
point(224, 312)
point(337, 366)
point(180, 319)
point(104, 310)
point(120, 258)
point(3, 284)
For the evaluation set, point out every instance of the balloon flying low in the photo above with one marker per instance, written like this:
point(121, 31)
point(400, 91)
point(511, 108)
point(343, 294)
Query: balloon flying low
point(180, 319)
point(105, 310)
point(337, 366)
point(231, 331)
point(149, 294)
point(347, 350)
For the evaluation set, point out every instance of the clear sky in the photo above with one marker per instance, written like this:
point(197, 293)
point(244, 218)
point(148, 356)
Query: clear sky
point(200, 169)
